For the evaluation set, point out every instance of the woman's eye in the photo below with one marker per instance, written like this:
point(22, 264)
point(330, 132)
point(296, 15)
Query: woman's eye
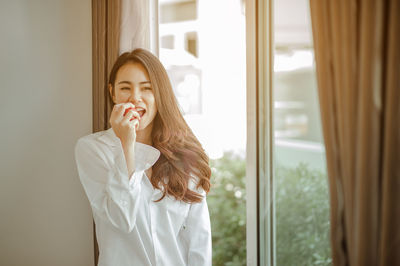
point(125, 88)
point(147, 88)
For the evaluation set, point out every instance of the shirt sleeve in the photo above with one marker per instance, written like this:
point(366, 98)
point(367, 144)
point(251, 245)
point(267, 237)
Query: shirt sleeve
point(198, 234)
point(112, 196)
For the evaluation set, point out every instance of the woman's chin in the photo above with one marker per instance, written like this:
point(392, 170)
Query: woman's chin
point(140, 128)
point(143, 125)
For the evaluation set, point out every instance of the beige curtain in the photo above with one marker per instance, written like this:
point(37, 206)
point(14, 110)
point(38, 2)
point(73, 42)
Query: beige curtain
point(357, 51)
point(105, 49)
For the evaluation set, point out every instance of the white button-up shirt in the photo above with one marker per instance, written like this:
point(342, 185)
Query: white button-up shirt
point(131, 228)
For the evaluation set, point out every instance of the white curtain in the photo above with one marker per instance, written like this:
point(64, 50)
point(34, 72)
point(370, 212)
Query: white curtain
point(139, 24)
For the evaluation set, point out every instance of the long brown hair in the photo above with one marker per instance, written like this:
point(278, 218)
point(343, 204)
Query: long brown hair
point(182, 156)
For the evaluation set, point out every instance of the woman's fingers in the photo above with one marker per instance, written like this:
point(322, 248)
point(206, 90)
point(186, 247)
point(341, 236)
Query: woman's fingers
point(136, 124)
point(113, 115)
point(125, 121)
point(117, 114)
point(128, 105)
point(131, 115)
point(124, 106)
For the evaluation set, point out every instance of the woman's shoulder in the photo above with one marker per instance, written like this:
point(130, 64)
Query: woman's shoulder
point(101, 142)
point(91, 136)
point(101, 137)
point(95, 145)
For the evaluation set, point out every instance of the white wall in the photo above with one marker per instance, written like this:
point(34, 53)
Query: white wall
point(45, 84)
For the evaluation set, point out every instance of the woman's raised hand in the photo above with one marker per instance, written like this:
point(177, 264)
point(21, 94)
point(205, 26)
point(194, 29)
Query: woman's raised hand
point(125, 126)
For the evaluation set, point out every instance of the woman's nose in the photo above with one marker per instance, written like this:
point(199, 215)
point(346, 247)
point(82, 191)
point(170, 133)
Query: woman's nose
point(135, 96)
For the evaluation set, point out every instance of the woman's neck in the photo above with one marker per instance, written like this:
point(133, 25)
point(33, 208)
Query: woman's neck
point(144, 135)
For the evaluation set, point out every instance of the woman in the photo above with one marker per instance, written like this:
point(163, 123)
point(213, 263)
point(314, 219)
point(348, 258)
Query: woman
point(147, 176)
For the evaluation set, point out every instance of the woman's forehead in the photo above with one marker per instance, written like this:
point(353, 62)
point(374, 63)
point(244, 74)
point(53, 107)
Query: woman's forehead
point(132, 72)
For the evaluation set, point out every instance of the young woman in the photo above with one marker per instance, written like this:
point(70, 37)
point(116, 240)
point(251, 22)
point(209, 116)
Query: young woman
point(147, 176)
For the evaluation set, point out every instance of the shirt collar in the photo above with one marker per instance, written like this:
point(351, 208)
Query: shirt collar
point(145, 155)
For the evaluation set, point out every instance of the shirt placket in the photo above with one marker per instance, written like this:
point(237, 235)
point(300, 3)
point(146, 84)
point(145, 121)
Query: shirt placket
point(153, 219)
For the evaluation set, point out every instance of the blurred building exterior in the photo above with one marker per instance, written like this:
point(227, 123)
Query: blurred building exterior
point(203, 48)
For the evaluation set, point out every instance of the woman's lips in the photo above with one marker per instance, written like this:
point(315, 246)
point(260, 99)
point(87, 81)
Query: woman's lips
point(141, 113)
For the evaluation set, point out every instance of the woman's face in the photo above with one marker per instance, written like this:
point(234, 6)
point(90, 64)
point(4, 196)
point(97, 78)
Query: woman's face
point(132, 84)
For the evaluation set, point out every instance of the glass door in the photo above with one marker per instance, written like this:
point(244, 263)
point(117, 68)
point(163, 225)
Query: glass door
point(203, 46)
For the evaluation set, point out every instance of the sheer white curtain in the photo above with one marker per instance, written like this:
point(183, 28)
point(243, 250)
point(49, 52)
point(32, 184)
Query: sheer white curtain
point(139, 24)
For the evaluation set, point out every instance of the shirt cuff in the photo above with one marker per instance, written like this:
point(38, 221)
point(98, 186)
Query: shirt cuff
point(145, 157)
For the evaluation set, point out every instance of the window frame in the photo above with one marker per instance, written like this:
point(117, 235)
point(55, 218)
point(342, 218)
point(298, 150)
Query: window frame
point(260, 239)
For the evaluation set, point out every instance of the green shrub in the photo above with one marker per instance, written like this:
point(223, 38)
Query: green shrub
point(227, 205)
point(302, 214)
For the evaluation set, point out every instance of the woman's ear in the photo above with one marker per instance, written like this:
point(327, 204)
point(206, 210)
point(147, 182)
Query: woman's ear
point(111, 92)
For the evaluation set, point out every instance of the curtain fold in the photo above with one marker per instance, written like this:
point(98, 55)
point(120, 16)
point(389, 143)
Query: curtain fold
point(358, 70)
point(105, 50)
point(390, 211)
point(135, 25)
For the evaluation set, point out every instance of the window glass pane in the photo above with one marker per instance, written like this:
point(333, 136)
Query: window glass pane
point(301, 192)
point(203, 49)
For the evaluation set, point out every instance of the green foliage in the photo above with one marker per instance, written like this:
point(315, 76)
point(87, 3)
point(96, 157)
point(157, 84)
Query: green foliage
point(227, 205)
point(302, 214)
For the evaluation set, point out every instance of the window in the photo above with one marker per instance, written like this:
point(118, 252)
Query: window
point(287, 193)
point(273, 192)
point(300, 182)
point(202, 46)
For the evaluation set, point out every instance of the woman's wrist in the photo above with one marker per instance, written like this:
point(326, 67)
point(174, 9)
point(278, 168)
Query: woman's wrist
point(128, 144)
point(129, 152)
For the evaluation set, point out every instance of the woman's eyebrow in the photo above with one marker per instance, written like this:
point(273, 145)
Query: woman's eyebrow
point(124, 82)
point(143, 82)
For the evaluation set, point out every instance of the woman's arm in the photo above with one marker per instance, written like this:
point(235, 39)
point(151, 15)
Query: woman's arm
point(124, 127)
point(197, 233)
point(129, 152)
point(113, 192)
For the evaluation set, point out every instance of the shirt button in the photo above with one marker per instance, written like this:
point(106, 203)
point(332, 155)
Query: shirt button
point(124, 202)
